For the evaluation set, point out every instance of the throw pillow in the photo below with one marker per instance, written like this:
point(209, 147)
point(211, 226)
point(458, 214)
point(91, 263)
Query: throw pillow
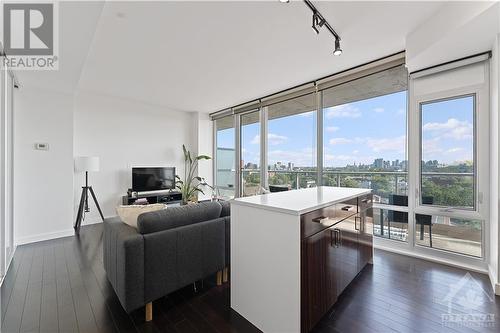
point(129, 214)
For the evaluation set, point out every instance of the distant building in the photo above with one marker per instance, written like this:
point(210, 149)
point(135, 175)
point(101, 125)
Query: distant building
point(378, 163)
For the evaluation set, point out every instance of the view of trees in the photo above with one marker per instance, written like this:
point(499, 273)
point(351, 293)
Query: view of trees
point(456, 190)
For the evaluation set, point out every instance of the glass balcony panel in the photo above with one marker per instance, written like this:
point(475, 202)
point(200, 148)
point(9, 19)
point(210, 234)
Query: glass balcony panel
point(390, 224)
point(459, 235)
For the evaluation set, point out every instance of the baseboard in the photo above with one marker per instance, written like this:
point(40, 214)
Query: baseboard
point(52, 235)
point(89, 222)
point(433, 259)
point(8, 265)
point(45, 236)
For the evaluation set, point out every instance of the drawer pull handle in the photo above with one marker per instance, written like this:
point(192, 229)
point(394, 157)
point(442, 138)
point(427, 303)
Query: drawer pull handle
point(318, 219)
point(335, 236)
point(356, 222)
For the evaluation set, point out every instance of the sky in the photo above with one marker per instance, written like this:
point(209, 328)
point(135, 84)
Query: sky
point(362, 131)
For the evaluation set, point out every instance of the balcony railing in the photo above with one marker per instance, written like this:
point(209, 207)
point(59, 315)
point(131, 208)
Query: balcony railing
point(383, 183)
point(445, 188)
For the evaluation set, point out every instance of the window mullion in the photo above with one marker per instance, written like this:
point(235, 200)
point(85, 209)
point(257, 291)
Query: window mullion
point(264, 176)
point(319, 137)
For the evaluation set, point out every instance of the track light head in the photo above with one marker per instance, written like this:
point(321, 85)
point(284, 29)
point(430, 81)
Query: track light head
point(317, 22)
point(338, 50)
point(284, 1)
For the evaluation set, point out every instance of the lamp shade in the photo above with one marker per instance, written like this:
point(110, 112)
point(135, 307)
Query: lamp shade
point(86, 163)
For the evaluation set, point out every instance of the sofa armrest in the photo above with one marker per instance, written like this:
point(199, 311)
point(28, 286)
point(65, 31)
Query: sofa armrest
point(123, 258)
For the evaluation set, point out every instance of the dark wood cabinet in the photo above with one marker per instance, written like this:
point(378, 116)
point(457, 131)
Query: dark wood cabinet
point(348, 252)
point(319, 283)
point(365, 239)
point(332, 257)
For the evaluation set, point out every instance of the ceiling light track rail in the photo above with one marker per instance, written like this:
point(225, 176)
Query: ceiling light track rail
point(319, 21)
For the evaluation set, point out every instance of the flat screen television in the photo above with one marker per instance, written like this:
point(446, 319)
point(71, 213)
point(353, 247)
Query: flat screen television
point(153, 179)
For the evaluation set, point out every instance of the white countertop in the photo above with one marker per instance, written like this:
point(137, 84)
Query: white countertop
point(297, 202)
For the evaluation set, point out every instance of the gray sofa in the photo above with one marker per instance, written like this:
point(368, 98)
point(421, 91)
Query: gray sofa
point(170, 249)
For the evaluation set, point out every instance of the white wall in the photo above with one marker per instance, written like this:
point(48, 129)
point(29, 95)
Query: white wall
point(469, 29)
point(125, 133)
point(205, 147)
point(43, 180)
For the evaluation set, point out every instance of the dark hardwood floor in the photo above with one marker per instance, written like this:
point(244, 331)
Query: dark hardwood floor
point(60, 286)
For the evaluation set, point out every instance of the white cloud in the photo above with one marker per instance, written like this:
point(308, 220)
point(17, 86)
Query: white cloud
point(332, 129)
point(273, 139)
point(303, 157)
point(454, 150)
point(339, 141)
point(452, 128)
point(431, 148)
point(378, 110)
point(255, 140)
point(343, 111)
point(342, 160)
point(387, 144)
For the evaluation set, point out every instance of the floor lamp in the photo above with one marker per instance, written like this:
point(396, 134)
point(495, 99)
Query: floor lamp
point(86, 164)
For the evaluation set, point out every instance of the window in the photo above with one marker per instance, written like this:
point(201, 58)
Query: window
point(451, 161)
point(448, 168)
point(250, 154)
point(364, 135)
point(291, 143)
point(419, 149)
point(225, 154)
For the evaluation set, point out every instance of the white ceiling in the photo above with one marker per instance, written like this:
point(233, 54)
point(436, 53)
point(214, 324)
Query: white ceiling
point(204, 56)
point(77, 24)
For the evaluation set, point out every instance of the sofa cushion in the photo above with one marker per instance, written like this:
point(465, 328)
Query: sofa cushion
point(226, 208)
point(129, 214)
point(174, 217)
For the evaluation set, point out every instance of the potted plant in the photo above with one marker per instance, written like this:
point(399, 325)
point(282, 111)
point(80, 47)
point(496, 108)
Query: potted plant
point(191, 185)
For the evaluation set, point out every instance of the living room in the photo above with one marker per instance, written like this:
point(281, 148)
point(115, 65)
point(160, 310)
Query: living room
point(299, 118)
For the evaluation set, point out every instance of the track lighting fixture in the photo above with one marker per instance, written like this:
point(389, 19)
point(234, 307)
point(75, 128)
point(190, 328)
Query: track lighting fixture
point(338, 50)
point(318, 21)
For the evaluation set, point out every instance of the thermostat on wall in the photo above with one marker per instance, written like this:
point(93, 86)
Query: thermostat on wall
point(41, 146)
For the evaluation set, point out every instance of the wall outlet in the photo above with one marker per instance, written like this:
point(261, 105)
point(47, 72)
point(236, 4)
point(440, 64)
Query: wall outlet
point(41, 146)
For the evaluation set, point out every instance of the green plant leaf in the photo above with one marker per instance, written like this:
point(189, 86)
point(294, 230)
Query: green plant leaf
point(203, 157)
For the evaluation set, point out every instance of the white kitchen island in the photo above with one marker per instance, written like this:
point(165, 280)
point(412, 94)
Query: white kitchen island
point(273, 284)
